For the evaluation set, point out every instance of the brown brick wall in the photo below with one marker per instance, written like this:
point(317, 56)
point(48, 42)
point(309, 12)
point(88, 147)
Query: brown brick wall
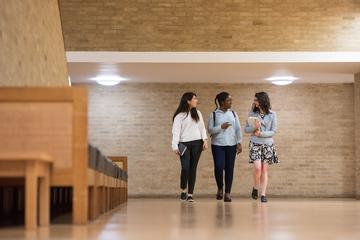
point(315, 138)
point(357, 132)
point(211, 25)
point(31, 44)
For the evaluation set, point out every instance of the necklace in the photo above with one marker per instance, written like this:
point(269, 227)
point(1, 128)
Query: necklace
point(262, 115)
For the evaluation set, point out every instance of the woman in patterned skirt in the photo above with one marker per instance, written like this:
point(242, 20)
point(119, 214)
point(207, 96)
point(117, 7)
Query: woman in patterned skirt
point(261, 147)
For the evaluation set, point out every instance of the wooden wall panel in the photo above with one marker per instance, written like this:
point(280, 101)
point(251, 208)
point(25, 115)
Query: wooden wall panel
point(36, 126)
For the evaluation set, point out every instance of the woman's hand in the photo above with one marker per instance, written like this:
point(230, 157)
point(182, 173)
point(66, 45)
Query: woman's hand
point(257, 125)
point(205, 145)
point(177, 152)
point(238, 148)
point(257, 133)
point(225, 125)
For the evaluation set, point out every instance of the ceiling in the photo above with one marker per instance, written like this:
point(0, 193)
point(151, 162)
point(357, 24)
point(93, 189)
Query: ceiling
point(214, 67)
point(215, 72)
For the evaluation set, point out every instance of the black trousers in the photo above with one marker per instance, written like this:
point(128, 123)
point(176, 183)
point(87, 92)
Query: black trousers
point(189, 162)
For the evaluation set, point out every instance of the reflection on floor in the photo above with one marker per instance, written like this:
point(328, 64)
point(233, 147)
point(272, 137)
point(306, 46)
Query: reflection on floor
point(210, 219)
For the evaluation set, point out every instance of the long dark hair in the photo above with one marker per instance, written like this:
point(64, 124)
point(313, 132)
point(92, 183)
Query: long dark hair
point(184, 106)
point(264, 102)
point(220, 98)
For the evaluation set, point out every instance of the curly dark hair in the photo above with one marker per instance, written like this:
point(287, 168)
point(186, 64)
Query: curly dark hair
point(264, 102)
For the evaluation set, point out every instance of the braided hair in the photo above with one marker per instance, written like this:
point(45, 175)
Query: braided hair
point(220, 98)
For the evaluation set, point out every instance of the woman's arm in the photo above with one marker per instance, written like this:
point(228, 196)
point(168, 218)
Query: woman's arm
point(176, 128)
point(238, 129)
point(202, 127)
point(211, 128)
point(273, 128)
point(248, 128)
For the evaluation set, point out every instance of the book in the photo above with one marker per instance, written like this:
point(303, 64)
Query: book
point(252, 121)
point(182, 148)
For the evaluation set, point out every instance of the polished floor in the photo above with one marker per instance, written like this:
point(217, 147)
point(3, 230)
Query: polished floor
point(210, 219)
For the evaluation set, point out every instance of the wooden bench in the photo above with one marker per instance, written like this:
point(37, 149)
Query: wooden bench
point(106, 182)
point(55, 120)
point(122, 162)
point(31, 166)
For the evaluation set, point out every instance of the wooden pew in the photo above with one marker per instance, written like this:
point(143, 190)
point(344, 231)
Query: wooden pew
point(31, 166)
point(122, 162)
point(55, 121)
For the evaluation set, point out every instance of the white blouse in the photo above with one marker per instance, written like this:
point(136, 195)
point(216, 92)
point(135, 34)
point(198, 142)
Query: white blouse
point(186, 129)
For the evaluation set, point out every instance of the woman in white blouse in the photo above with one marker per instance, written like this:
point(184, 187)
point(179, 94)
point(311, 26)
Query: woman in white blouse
point(188, 129)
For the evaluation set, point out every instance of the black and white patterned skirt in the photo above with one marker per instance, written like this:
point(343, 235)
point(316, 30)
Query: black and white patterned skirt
point(265, 153)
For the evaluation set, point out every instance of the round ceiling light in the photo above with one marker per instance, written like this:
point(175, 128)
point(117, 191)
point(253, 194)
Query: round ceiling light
point(282, 80)
point(108, 80)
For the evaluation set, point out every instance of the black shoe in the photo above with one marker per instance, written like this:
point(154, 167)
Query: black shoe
point(254, 194)
point(190, 199)
point(219, 194)
point(263, 199)
point(183, 196)
point(227, 197)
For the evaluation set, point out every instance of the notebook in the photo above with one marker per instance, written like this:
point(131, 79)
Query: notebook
point(252, 121)
point(182, 148)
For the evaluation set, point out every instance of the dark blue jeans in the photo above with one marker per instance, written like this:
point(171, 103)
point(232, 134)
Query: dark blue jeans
point(224, 160)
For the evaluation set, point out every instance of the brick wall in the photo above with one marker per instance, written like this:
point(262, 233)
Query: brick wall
point(31, 42)
point(357, 132)
point(315, 138)
point(211, 25)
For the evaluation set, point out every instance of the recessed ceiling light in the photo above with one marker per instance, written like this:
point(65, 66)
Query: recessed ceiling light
point(282, 80)
point(108, 80)
point(282, 83)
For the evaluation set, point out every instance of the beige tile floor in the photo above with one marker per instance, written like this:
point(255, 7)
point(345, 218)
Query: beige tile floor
point(279, 219)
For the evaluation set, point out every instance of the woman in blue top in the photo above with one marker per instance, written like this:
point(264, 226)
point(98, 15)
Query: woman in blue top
point(261, 148)
point(224, 127)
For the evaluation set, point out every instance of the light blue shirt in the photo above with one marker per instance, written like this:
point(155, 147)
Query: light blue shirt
point(224, 137)
point(268, 128)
